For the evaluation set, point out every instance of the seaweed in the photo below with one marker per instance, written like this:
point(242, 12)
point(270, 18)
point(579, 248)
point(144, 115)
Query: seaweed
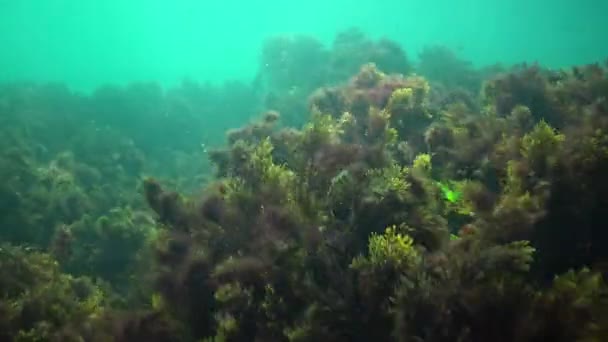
point(363, 203)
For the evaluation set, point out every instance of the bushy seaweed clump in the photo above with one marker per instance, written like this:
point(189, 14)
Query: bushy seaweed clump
point(447, 70)
point(378, 220)
point(291, 68)
point(401, 209)
point(39, 303)
point(72, 166)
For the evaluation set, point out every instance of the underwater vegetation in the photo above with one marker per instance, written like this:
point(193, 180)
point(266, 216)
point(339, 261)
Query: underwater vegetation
point(391, 201)
point(378, 220)
point(292, 67)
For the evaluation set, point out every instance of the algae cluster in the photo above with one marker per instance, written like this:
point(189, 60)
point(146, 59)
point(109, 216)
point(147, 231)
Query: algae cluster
point(373, 199)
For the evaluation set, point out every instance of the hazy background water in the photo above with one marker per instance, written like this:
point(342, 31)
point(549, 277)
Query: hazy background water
point(85, 43)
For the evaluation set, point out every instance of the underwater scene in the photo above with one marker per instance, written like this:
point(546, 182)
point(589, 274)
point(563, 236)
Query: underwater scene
point(274, 171)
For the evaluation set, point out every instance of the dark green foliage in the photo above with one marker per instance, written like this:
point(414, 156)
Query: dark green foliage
point(553, 96)
point(71, 163)
point(443, 67)
point(107, 246)
point(352, 48)
point(38, 301)
point(470, 293)
point(152, 327)
point(292, 231)
point(288, 62)
point(291, 68)
point(577, 201)
point(403, 208)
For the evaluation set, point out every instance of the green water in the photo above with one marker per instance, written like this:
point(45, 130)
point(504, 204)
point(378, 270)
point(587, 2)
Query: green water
point(88, 43)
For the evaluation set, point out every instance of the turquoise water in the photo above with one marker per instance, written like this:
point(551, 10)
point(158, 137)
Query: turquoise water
point(88, 43)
